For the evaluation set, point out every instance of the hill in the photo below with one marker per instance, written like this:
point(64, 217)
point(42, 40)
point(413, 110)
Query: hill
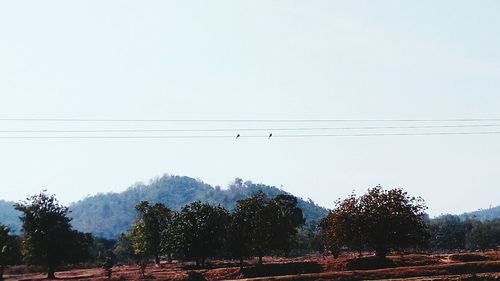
point(108, 215)
point(483, 215)
point(9, 216)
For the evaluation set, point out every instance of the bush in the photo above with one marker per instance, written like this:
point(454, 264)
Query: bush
point(195, 276)
point(367, 263)
point(468, 257)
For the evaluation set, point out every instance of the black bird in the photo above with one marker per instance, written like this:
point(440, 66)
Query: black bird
point(270, 135)
point(238, 135)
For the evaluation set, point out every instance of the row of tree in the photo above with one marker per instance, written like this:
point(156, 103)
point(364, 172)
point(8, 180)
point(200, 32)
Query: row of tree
point(257, 226)
point(380, 220)
point(450, 233)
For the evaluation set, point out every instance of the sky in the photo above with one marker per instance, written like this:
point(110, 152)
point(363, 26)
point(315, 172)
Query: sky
point(252, 60)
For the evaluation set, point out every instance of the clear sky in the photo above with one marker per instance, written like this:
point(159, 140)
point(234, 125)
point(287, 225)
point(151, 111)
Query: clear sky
point(252, 60)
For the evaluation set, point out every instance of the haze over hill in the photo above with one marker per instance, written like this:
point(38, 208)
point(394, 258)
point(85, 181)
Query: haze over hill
point(111, 214)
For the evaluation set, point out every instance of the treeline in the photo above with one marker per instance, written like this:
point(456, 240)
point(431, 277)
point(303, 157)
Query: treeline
point(450, 233)
point(257, 226)
point(381, 221)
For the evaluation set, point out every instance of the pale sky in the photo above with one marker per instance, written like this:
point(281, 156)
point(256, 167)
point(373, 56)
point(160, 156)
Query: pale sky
point(252, 60)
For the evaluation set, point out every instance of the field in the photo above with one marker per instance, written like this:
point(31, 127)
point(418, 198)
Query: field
point(471, 266)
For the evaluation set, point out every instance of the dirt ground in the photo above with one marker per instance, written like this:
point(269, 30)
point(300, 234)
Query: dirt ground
point(421, 267)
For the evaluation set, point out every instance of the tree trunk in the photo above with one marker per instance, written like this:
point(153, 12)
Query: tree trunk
point(381, 252)
point(169, 258)
point(1, 272)
point(51, 273)
point(241, 261)
point(157, 260)
point(260, 259)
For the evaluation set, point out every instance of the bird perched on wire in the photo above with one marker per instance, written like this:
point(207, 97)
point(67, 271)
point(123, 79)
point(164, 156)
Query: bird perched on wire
point(238, 135)
point(270, 135)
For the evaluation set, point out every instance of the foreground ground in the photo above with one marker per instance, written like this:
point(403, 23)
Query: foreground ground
point(483, 266)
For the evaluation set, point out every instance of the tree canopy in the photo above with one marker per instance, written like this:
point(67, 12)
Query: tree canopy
point(200, 229)
point(9, 249)
point(47, 236)
point(380, 220)
point(261, 225)
point(147, 229)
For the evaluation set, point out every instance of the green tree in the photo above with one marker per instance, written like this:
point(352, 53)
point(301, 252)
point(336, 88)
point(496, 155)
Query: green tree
point(47, 237)
point(483, 235)
point(448, 232)
point(123, 249)
point(255, 217)
point(201, 230)
point(261, 225)
point(288, 219)
point(9, 249)
point(148, 228)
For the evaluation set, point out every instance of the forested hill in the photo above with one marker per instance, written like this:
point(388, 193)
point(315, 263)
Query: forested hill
point(9, 216)
point(483, 215)
point(110, 214)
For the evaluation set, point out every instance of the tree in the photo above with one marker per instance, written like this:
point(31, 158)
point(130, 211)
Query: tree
point(342, 227)
point(448, 232)
point(483, 235)
point(201, 230)
point(255, 217)
point(288, 217)
point(148, 228)
point(123, 249)
point(381, 220)
point(107, 265)
point(261, 225)
point(330, 234)
point(9, 249)
point(48, 239)
point(392, 220)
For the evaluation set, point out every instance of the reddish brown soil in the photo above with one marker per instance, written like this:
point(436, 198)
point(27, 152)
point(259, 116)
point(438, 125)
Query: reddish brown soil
point(478, 266)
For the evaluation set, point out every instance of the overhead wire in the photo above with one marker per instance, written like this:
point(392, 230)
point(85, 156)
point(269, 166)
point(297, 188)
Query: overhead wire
point(246, 120)
point(253, 136)
point(249, 129)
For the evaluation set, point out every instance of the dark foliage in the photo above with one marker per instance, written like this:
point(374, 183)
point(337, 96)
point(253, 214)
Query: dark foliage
point(123, 249)
point(200, 229)
point(277, 269)
point(47, 237)
point(450, 233)
point(261, 225)
point(468, 257)
point(10, 253)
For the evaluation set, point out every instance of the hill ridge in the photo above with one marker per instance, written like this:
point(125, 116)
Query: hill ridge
point(112, 213)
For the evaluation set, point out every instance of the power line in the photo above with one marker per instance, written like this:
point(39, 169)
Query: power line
point(245, 120)
point(249, 129)
point(253, 136)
